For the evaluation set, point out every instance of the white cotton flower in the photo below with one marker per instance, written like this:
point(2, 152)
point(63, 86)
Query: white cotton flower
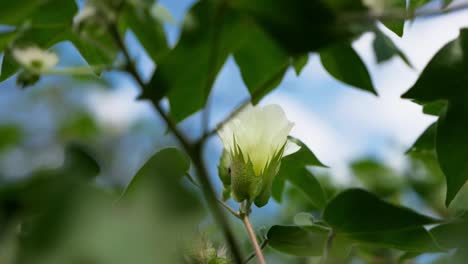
point(35, 59)
point(254, 142)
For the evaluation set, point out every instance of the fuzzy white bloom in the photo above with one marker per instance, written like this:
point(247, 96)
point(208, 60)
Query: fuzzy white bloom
point(255, 141)
point(35, 59)
point(261, 133)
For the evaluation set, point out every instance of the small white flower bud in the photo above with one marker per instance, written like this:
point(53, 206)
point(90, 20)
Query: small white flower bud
point(35, 59)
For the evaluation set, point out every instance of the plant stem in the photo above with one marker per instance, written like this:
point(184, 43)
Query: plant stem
point(253, 254)
point(194, 151)
point(253, 239)
point(327, 247)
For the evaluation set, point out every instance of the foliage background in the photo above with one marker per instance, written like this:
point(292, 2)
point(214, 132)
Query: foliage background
point(355, 133)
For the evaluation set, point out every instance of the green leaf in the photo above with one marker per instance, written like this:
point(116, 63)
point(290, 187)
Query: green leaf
point(344, 64)
point(298, 240)
point(425, 142)
point(358, 211)
point(395, 25)
point(303, 157)
point(261, 61)
point(295, 164)
point(444, 79)
point(54, 13)
point(6, 37)
point(15, 12)
point(306, 182)
point(189, 70)
point(79, 163)
point(149, 32)
point(362, 217)
point(169, 163)
point(434, 108)
point(452, 147)
point(10, 135)
point(385, 49)
point(377, 177)
point(451, 235)
point(285, 21)
point(9, 66)
point(299, 62)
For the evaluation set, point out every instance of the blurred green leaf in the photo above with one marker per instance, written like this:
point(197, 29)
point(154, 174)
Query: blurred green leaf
point(358, 211)
point(149, 32)
point(344, 64)
point(170, 163)
point(303, 157)
point(451, 235)
point(395, 25)
point(377, 177)
point(6, 37)
point(261, 61)
point(189, 70)
point(434, 108)
point(363, 217)
point(298, 240)
point(10, 135)
point(299, 62)
point(385, 49)
point(306, 182)
point(285, 21)
point(444, 79)
point(14, 12)
point(9, 66)
point(295, 164)
point(425, 142)
point(452, 147)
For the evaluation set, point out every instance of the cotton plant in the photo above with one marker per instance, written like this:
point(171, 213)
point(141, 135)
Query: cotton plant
point(254, 143)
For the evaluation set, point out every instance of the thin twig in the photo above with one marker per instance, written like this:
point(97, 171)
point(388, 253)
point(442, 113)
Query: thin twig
point(253, 239)
point(327, 247)
point(253, 254)
point(226, 206)
point(194, 151)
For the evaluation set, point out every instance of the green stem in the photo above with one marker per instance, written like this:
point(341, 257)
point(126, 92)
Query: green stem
point(253, 239)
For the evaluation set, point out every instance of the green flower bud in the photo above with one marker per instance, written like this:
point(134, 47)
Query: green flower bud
point(255, 141)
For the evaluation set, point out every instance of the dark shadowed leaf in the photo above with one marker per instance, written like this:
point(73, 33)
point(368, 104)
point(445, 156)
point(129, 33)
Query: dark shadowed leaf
point(261, 61)
point(170, 163)
point(358, 211)
point(452, 147)
point(190, 69)
point(425, 142)
point(362, 217)
point(285, 21)
point(149, 32)
point(344, 64)
point(299, 62)
point(385, 49)
point(444, 79)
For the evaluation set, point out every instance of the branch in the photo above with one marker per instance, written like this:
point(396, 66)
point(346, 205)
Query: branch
point(226, 206)
point(327, 247)
point(194, 151)
point(253, 254)
point(253, 239)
